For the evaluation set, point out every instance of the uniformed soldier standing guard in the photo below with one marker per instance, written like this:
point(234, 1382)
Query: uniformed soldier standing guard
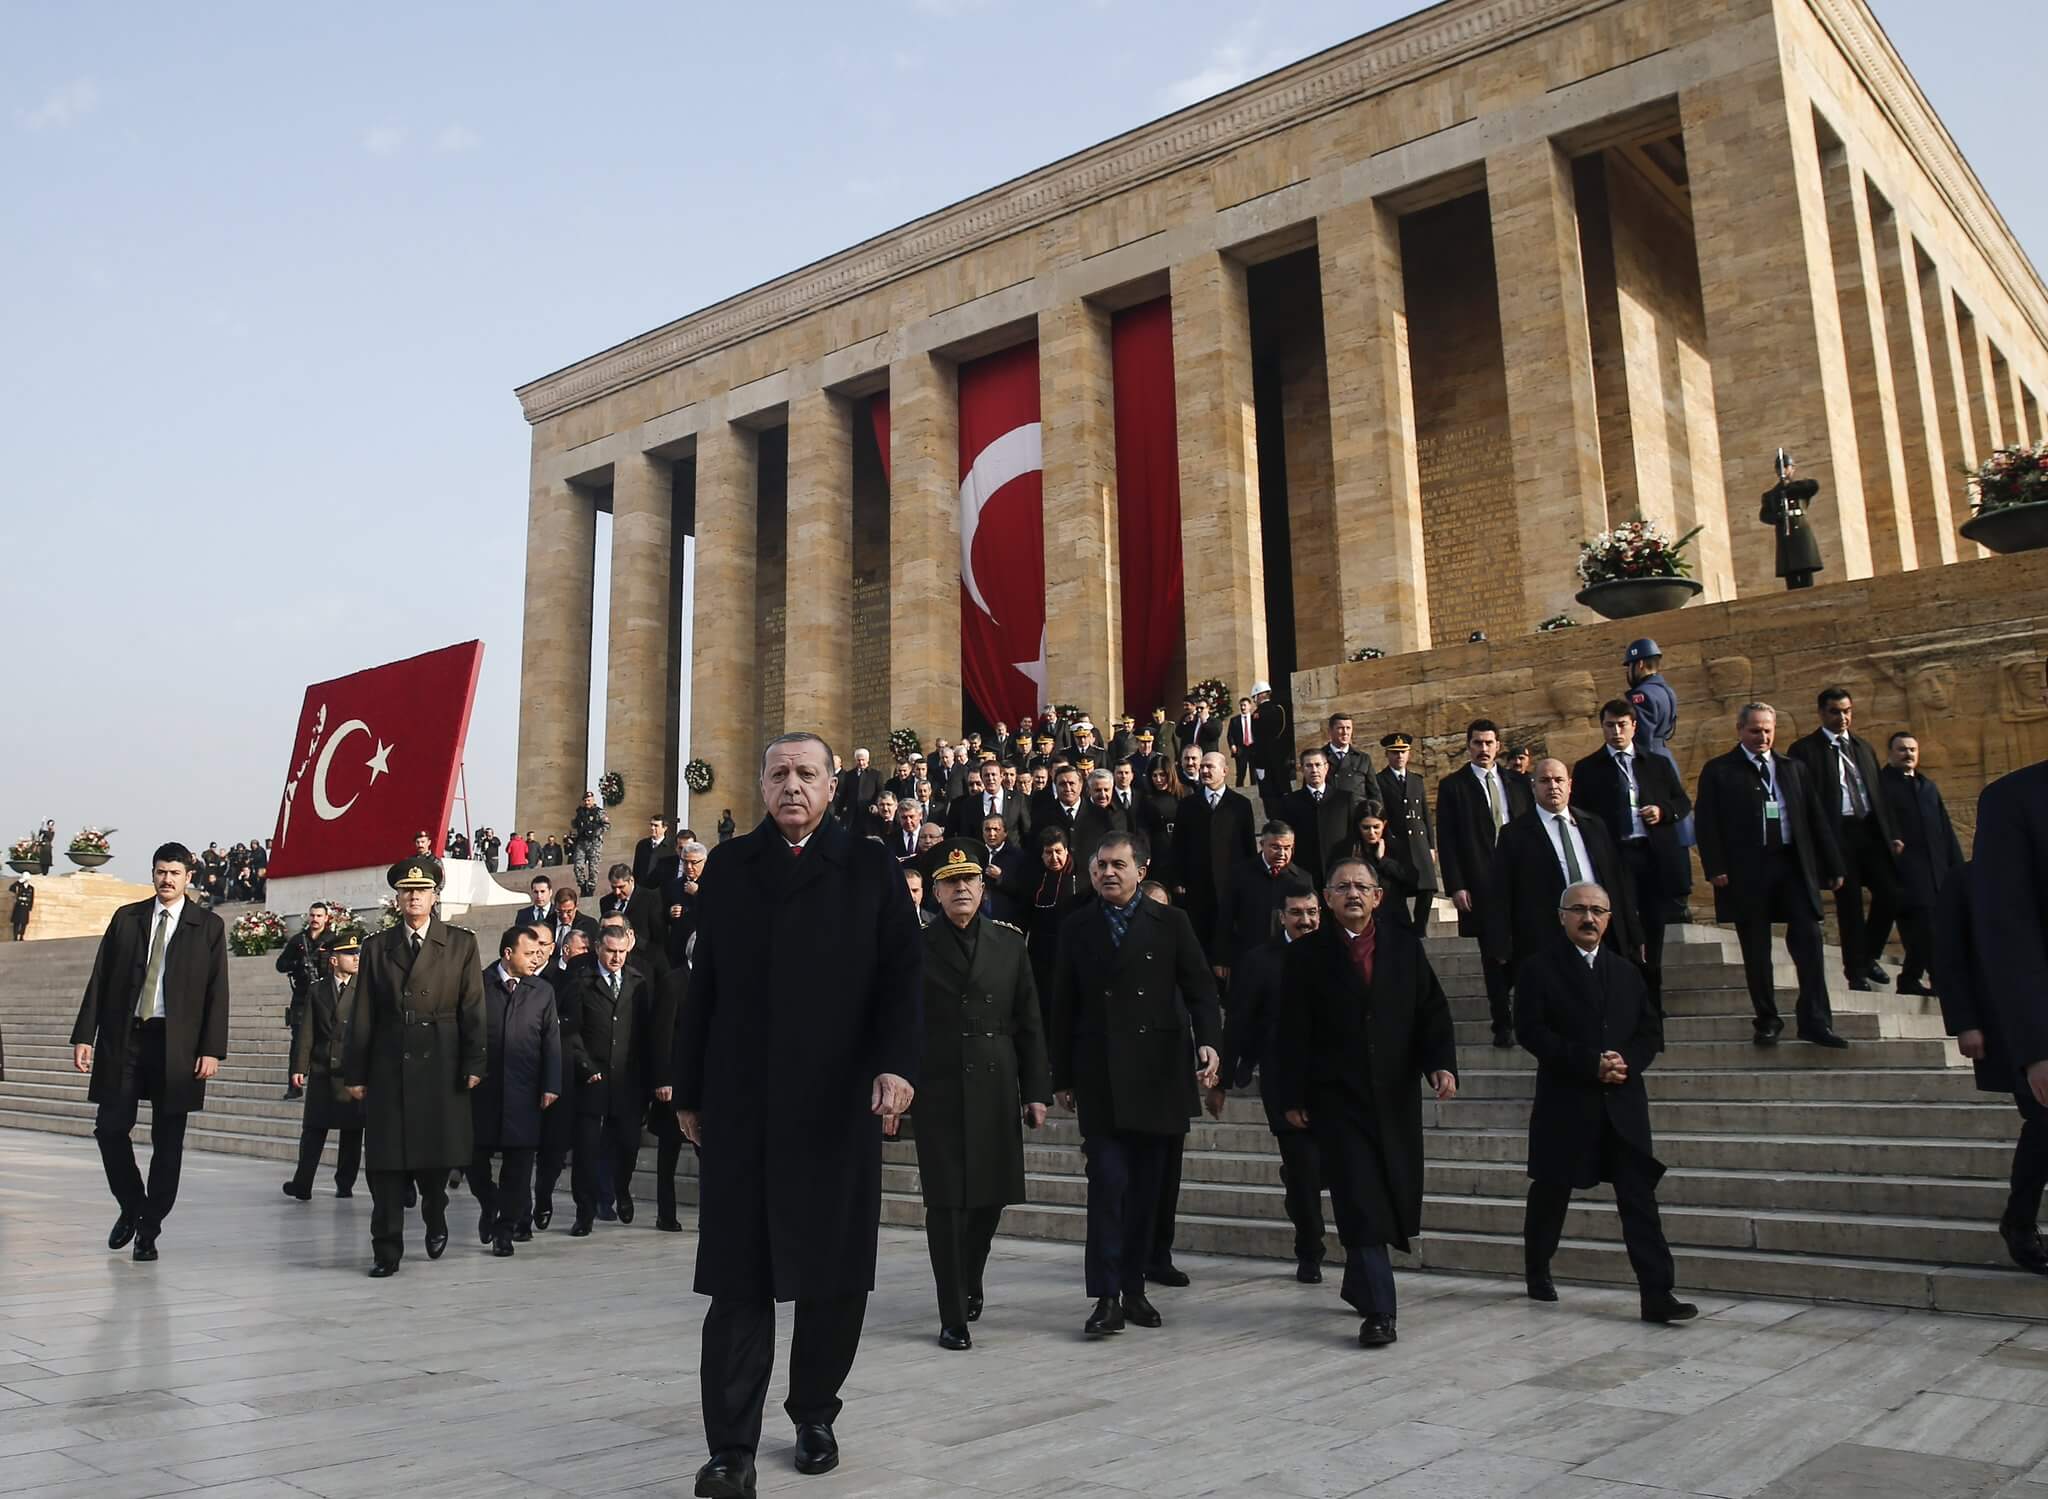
point(416, 1048)
point(984, 1065)
point(1405, 800)
point(1656, 708)
point(1784, 511)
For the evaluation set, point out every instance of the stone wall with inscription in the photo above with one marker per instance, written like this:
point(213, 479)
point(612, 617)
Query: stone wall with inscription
point(870, 593)
point(1953, 653)
point(771, 582)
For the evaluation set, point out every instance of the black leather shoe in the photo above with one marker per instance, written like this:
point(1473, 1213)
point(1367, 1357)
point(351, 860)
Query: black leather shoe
point(1859, 986)
point(291, 1189)
point(1139, 1312)
point(454, 1178)
point(122, 1231)
point(1309, 1272)
point(2023, 1243)
point(1376, 1332)
point(1540, 1287)
point(383, 1269)
point(145, 1246)
point(543, 1216)
point(344, 1192)
point(580, 1229)
point(1166, 1275)
point(1825, 1038)
point(729, 1475)
point(1503, 1038)
point(953, 1339)
point(292, 1095)
point(502, 1247)
point(1877, 975)
point(1768, 1031)
point(668, 1225)
point(625, 1210)
point(817, 1450)
point(437, 1244)
point(1108, 1317)
point(523, 1234)
point(1914, 986)
point(974, 1306)
point(486, 1227)
point(607, 1212)
point(1668, 1308)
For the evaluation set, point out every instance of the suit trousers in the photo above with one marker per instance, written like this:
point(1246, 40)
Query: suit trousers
point(1784, 900)
point(312, 1142)
point(611, 1137)
point(2029, 1163)
point(1369, 1280)
point(1642, 1230)
point(668, 1154)
point(958, 1240)
point(547, 1170)
point(1168, 1206)
point(1916, 934)
point(1301, 1176)
point(738, 1354)
point(1499, 981)
point(1866, 867)
point(142, 1077)
point(1425, 901)
point(1124, 1172)
point(508, 1201)
point(387, 1207)
point(1653, 909)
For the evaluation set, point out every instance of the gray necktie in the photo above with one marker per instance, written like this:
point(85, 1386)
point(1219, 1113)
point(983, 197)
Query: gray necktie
point(145, 1002)
point(1493, 801)
point(1858, 805)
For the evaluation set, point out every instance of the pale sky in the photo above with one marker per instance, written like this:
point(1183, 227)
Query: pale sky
point(271, 273)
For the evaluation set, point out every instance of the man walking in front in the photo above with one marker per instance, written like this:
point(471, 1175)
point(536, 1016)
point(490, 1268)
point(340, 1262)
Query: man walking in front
point(804, 1018)
point(153, 1024)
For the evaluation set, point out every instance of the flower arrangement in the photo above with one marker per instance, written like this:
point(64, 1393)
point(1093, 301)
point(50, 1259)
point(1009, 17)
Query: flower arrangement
point(1635, 549)
point(697, 776)
point(1555, 623)
point(1366, 653)
point(611, 788)
point(2010, 476)
point(1212, 691)
point(904, 742)
point(91, 841)
point(342, 921)
point(256, 933)
point(387, 914)
point(24, 849)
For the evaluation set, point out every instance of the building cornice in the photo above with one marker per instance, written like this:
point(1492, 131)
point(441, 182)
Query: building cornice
point(1387, 58)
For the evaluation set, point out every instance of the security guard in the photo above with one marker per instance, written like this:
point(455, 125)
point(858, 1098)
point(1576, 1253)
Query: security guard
point(1404, 801)
point(984, 1066)
point(1656, 708)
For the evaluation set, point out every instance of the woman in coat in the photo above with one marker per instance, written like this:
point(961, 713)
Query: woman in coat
point(1371, 842)
point(316, 1070)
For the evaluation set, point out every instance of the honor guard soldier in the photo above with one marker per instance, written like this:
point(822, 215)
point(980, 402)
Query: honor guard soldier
point(317, 1065)
point(1405, 801)
point(1784, 510)
point(985, 1067)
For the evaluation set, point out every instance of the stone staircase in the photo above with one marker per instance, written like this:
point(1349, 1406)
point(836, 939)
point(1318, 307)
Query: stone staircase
point(1875, 1174)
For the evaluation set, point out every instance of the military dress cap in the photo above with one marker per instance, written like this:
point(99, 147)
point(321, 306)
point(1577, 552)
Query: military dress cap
point(1045, 739)
point(420, 873)
point(954, 858)
point(335, 942)
point(1144, 733)
point(1645, 649)
point(1396, 741)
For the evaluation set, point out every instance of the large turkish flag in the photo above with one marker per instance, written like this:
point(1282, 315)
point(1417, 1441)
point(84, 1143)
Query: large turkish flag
point(1002, 540)
point(374, 762)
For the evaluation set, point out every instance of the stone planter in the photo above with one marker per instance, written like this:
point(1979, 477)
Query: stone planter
point(1625, 598)
point(23, 866)
point(2013, 528)
point(87, 861)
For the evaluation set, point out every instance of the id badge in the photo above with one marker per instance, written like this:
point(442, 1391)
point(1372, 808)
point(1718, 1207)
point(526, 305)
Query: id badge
point(1770, 811)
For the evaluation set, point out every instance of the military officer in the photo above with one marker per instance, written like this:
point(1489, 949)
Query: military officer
point(416, 1048)
point(316, 1060)
point(1656, 708)
point(984, 1066)
point(1405, 801)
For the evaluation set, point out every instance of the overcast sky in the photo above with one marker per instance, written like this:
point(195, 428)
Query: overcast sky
point(271, 273)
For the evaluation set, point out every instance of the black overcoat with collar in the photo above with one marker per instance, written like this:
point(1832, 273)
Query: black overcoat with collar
point(1566, 1015)
point(195, 1000)
point(1127, 1019)
point(317, 1054)
point(1465, 835)
point(1728, 821)
point(1405, 801)
point(606, 1052)
point(1598, 787)
point(808, 982)
point(1525, 880)
point(1816, 752)
point(1354, 1058)
point(417, 1039)
point(524, 1063)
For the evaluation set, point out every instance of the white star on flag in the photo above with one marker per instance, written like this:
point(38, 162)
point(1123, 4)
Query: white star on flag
point(379, 764)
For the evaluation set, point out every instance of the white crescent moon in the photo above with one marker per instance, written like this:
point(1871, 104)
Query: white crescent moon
point(1017, 452)
point(327, 810)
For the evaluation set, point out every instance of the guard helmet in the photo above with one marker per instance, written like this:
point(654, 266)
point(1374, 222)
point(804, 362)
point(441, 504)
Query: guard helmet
point(1645, 649)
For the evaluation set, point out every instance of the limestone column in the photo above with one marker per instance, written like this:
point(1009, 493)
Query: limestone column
point(1383, 588)
point(638, 719)
point(723, 647)
point(924, 546)
point(1951, 390)
point(1083, 603)
point(1774, 327)
point(817, 679)
point(554, 658)
point(1553, 408)
point(1222, 559)
point(1928, 477)
point(1977, 377)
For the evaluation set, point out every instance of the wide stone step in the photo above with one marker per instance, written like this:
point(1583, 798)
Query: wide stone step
point(1676, 1078)
point(1986, 1121)
point(1962, 1159)
point(1739, 1029)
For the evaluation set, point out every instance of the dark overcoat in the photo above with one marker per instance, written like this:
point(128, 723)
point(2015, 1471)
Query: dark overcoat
point(807, 984)
point(984, 1059)
point(1465, 835)
point(1321, 827)
point(524, 1062)
point(319, 1051)
point(1352, 1056)
point(1206, 842)
point(1959, 980)
point(1525, 880)
point(417, 1039)
point(195, 1000)
point(1566, 1016)
point(1351, 772)
point(1919, 819)
point(1254, 1021)
point(1127, 1019)
point(1728, 820)
point(609, 1040)
point(558, 1124)
point(1599, 787)
point(1405, 800)
point(1249, 912)
point(2009, 910)
point(1816, 752)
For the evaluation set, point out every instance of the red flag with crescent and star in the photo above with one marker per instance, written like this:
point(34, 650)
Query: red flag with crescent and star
point(1002, 537)
point(374, 761)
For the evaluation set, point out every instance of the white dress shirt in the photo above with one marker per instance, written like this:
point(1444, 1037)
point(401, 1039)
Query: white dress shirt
point(176, 912)
point(1625, 762)
point(1591, 955)
point(1845, 758)
point(1560, 826)
point(1770, 771)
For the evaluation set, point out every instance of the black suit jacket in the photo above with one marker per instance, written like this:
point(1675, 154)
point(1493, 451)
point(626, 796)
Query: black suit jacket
point(1728, 821)
point(1920, 821)
point(1251, 900)
point(2009, 915)
point(1824, 770)
point(195, 999)
point(1351, 770)
point(1464, 833)
point(856, 792)
point(1525, 880)
point(1599, 787)
point(1206, 843)
point(963, 818)
point(1321, 829)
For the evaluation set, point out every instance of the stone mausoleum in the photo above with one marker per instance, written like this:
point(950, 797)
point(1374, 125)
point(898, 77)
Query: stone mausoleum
point(1444, 300)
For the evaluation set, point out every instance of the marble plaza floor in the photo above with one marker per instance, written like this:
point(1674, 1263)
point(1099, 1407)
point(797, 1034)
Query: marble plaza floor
point(255, 1359)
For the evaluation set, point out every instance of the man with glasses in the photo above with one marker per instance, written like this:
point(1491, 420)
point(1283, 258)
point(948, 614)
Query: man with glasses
point(1585, 1014)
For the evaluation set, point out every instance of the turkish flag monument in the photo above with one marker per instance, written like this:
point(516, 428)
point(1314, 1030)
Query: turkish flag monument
point(1002, 536)
point(374, 761)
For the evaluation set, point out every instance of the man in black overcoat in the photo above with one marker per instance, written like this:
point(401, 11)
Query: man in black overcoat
point(799, 1041)
point(153, 1024)
point(1928, 852)
point(1545, 849)
point(303, 963)
point(558, 1121)
point(857, 788)
point(1362, 1018)
point(654, 857)
point(1323, 814)
point(1767, 852)
point(1349, 764)
point(317, 1051)
point(522, 1080)
point(1272, 747)
point(1643, 803)
point(641, 904)
point(1473, 804)
point(414, 1052)
point(1008, 863)
point(1135, 1025)
point(1585, 1014)
point(1252, 897)
point(984, 1068)
point(1101, 814)
point(24, 895)
point(1843, 771)
point(610, 998)
point(1212, 830)
point(1404, 801)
